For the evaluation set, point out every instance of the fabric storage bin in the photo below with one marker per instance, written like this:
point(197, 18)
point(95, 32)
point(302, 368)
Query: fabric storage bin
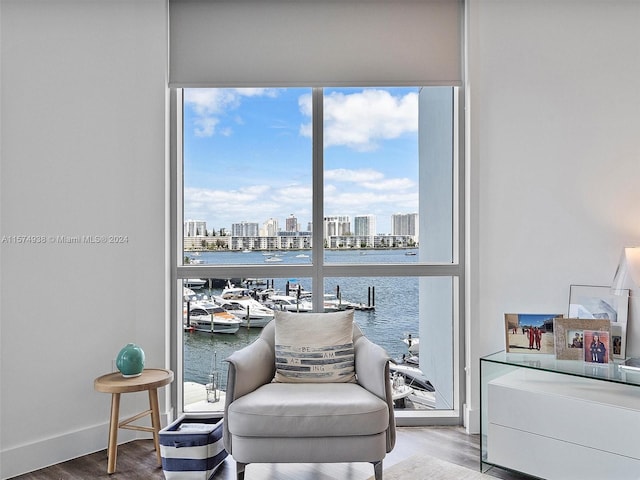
point(191, 447)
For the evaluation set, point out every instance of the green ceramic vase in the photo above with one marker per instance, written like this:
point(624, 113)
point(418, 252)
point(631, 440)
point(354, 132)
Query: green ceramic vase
point(130, 360)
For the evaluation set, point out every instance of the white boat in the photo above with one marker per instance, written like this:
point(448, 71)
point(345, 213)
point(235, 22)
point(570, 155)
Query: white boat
point(413, 344)
point(273, 259)
point(333, 304)
point(254, 313)
point(289, 303)
point(194, 283)
point(302, 255)
point(423, 392)
point(206, 316)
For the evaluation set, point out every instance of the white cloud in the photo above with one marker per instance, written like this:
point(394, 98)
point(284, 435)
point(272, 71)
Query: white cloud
point(368, 190)
point(397, 184)
point(369, 178)
point(295, 194)
point(210, 101)
point(362, 120)
point(205, 126)
point(256, 92)
point(210, 104)
point(370, 201)
point(347, 175)
point(221, 208)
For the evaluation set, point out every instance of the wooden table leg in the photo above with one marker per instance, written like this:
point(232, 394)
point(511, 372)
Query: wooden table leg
point(112, 450)
point(155, 421)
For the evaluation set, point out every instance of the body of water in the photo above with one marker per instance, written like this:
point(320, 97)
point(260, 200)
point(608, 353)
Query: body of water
point(395, 315)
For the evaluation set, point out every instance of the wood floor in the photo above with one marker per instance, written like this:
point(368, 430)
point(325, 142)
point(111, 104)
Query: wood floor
point(137, 461)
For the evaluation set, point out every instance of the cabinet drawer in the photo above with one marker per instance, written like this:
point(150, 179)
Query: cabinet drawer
point(554, 459)
point(594, 414)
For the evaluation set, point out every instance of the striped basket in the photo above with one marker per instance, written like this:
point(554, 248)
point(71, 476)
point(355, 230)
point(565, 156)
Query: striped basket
point(191, 448)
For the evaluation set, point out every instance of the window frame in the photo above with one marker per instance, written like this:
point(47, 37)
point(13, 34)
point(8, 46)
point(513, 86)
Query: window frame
point(318, 270)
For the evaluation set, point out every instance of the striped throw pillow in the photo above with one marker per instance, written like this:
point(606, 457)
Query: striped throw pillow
point(314, 347)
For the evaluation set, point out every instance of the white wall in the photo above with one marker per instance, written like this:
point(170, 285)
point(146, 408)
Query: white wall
point(83, 87)
point(554, 157)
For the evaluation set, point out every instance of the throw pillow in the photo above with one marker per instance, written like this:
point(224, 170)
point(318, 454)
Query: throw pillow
point(314, 347)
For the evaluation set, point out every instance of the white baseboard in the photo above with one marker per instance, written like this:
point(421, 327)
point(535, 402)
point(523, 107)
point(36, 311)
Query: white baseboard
point(471, 420)
point(50, 451)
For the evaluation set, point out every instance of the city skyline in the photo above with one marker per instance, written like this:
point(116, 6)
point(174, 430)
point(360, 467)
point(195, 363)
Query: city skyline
point(247, 153)
point(402, 224)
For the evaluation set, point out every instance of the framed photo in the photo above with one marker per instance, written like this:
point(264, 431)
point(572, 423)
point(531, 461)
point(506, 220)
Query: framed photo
point(597, 302)
point(618, 343)
point(574, 336)
point(529, 332)
point(597, 346)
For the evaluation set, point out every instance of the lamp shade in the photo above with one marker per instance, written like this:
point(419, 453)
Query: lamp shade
point(627, 275)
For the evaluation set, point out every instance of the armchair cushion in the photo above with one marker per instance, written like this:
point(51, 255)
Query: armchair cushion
point(314, 347)
point(308, 410)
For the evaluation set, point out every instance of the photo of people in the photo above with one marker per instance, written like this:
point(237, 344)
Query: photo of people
point(596, 346)
point(617, 345)
point(575, 339)
point(530, 332)
point(618, 336)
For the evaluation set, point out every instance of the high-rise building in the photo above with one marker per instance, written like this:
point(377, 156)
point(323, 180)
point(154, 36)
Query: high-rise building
point(337, 225)
point(195, 228)
point(292, 224)
point(404, 224)
point(269, 228)
point(244, 229)
point(364, 225)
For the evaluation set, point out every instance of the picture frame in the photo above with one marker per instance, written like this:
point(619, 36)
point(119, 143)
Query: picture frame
point(597, 302)
point(565, 330)
point(597, 346)
point(530, 333)
point(618, 341)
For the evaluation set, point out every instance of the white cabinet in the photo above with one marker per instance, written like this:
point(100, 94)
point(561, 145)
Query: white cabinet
point(559, 419)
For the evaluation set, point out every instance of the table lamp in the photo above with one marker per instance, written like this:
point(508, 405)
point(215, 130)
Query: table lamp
point(626, 281)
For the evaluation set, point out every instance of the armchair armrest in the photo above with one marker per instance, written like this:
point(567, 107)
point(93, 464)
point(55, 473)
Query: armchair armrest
point(249, 368)
point(371, 362)
point(372, 370)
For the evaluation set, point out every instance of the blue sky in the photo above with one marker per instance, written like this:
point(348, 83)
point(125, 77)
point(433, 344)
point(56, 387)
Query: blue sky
point(535, 319)
point(247, 154)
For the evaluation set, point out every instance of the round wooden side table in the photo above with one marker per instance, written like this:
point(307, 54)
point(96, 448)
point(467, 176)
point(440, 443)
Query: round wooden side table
point(114, 383)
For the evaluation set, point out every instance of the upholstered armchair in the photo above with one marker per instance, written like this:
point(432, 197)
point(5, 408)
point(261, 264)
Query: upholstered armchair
point(280, 410)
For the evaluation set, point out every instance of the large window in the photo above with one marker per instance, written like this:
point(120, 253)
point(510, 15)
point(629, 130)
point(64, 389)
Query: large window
point(315, 200)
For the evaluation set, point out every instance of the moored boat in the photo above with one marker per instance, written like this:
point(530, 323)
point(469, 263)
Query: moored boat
point(332, 303)
point(413, 344)
point(194, 283)
point(288, 303)
point(254, 314)
point(205, 316)
point(423, 392)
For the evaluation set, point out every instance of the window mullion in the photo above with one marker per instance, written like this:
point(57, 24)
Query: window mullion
point(318, 197)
